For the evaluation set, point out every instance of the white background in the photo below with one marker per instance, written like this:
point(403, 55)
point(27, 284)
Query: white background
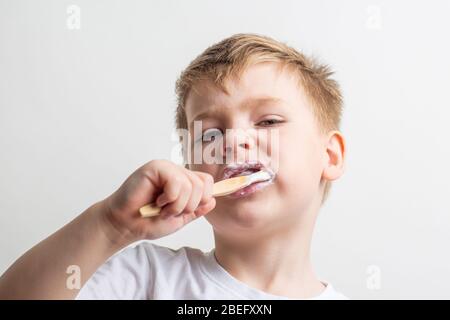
point(80, 109)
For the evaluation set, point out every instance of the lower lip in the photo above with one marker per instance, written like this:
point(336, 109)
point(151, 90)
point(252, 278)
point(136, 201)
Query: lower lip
point(250, 189)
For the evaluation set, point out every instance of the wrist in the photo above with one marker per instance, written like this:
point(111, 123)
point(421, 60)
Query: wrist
point(115, 236)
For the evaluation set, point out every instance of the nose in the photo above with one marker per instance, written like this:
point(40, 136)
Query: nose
point(238, 144)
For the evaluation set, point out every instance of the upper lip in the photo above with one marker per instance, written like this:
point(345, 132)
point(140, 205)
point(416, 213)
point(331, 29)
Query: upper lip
point(236, 169)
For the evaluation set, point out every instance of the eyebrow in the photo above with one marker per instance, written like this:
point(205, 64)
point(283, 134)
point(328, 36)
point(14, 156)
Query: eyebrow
point(248, 103)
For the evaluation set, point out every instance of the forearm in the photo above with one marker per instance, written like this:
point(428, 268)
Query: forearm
point(41, 273)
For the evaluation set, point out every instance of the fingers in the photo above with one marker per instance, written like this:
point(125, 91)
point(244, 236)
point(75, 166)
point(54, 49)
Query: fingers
point(208, 184)
point(202, 193)
point(175, 206)
point(201, 211)
point(196, 192)
point(183, 195)
point(186, 192)
point(171, 192)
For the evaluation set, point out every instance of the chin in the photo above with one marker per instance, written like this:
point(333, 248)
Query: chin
point(243, 214)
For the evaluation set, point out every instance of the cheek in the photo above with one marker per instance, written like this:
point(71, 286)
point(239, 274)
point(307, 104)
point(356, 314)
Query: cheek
point(299, 165)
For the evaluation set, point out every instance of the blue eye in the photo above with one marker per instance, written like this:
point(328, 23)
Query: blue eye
point(211, 134)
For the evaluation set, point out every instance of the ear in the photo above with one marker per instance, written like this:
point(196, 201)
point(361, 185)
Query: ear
point(334, 156)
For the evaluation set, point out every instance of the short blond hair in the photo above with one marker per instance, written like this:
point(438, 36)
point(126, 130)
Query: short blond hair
point(231, 56)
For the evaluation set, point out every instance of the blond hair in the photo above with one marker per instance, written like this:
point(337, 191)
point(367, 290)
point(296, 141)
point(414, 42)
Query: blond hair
point(231, 56)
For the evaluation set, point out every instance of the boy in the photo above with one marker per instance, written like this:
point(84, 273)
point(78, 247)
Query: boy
point(241, 91)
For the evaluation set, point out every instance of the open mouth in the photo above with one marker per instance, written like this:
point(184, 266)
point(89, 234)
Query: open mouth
point(247, 168)
point(242, 169)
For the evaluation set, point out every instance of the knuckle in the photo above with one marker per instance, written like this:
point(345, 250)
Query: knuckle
point(197, 185)
point(196, 176)
point(202, 176)
point(209, 179)
point(191, 206)
point(171, 196)
point(207, 184)
point(187, 185)
point(175, 179)
point(154, 163)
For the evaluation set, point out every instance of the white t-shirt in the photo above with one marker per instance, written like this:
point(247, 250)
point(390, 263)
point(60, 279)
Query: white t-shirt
point(148, 271)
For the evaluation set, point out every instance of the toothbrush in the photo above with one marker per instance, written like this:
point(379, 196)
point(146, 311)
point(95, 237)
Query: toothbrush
point(221, 188)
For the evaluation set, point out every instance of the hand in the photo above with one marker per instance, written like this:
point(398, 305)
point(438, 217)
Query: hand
point(184, 195)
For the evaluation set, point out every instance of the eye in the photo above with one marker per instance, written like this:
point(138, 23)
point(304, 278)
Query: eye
point(211, 134)
point(269, 122)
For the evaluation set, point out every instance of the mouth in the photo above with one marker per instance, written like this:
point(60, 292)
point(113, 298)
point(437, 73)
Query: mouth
point(244, 169)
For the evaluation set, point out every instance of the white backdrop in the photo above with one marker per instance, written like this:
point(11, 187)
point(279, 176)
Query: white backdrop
point(80, 109)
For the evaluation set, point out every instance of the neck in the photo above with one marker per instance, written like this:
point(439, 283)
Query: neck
point(276, 262)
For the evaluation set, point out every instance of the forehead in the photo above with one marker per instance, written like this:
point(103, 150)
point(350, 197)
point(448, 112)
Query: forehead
point(263, 82)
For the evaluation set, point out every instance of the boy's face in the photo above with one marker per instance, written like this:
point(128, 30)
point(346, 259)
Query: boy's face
point(265, 99)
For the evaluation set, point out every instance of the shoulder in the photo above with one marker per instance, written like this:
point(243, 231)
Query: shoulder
point(133, 272)
point(160, 256)
point(147, 253)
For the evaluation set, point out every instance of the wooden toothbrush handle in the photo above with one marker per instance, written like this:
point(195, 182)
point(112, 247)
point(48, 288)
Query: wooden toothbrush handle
point(221, 188)
point(149, 210)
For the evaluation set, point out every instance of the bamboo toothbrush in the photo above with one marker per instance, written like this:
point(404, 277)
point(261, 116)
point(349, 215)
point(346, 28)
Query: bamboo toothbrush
point(221, 188)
